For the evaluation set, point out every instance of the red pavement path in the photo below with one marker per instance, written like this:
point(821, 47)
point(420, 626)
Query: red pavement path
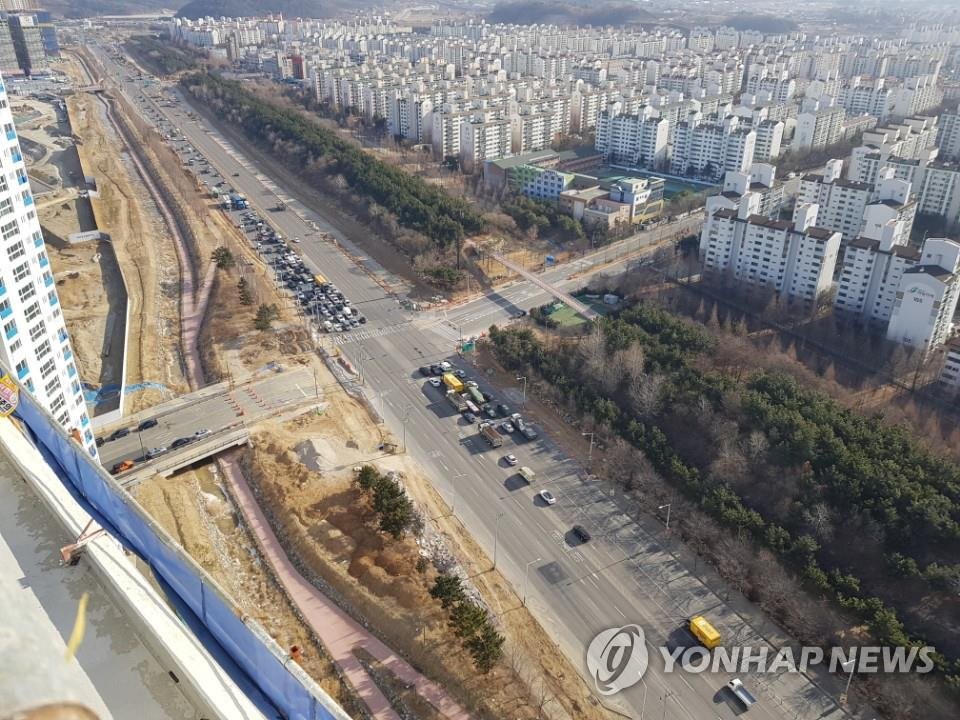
point(339, 633)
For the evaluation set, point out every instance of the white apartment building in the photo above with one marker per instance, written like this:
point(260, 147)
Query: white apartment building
point(870, 278)
point(817, 130)
point(634, 139)
point(445, 137)
point(948, 136)
point(756, 190)
point(547, 185)
point(410, 117)
point(796, 259)
point(926, 300)
point(711, 149)
point(482, 140)
point(34, 344)
point(843, 203)
point(870, 97)
point(950, 373)
point(769, 139)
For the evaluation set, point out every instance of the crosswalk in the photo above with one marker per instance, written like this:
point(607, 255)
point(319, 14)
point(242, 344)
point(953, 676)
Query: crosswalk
point(359, 336)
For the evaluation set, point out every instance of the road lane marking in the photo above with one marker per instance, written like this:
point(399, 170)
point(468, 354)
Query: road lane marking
point(620, 611)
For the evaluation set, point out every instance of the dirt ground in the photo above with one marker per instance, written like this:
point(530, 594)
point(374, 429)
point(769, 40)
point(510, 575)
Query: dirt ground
point(144, 252)
point(197, 511)
point(303, 471)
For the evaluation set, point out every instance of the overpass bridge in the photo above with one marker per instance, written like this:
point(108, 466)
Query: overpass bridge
point(206, 422)
point(561, 295)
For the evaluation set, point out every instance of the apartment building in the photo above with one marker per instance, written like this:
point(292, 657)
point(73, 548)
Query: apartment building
point(926, 300)
point(34, 342)
point(758, 187)
point(709, 149)
point(843, 203)
point(863, 96)
point(794, 259)
point(409, 116)
point(482, 140)
point(950, 373)
point(634, 139)
point(948, 136)
point(546, 185)
point(816, 130)
point(769, 139)
point(870, 278)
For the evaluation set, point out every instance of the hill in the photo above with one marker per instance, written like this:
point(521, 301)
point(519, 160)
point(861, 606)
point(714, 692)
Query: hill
point(526, 12)
point(760, 23)
point(248, 8)
point(92, 8)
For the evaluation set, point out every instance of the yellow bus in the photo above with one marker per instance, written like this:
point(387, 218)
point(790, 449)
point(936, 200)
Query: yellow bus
point(319, 279)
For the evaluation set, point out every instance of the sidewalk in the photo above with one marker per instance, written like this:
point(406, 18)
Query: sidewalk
point(339, 633)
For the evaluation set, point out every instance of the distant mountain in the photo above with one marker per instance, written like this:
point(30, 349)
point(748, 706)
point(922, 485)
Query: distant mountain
point(249, 8)
point(91, 8)
point(761, 23)
point(526, 12)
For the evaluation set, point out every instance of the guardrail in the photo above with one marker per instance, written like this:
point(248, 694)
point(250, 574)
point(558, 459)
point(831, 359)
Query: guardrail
point(170, 462)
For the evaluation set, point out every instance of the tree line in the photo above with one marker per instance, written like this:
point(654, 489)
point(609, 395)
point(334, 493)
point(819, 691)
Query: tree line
point(769, 460)
point(302, 143)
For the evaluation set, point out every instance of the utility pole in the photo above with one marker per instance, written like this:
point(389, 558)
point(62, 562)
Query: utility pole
point(496, 539)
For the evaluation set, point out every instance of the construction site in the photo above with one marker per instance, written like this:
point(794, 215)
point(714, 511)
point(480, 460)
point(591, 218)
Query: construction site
point(279, 524)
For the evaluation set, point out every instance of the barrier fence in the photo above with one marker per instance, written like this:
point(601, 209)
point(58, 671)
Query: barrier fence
point(292, 692)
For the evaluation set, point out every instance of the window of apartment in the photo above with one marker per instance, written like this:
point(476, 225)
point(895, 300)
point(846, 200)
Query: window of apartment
point(15, 345)
point(32, 312)
point(57, 404)
point(37, 331)
point(6, 206)
point(21, 271)
point(27, 292)
point(16, 250)
point(21, 367)
point(43, 349)
point(9, 230)
point(47, 368)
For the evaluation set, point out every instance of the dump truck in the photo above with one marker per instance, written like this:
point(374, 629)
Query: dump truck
point(476, 395)
point(456, 400)
point(703, 631)
point(741, 693)
point(452, 382)
point(490, 434)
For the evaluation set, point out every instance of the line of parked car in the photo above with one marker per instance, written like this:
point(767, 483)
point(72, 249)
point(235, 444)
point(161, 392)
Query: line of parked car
point(155, 452)
point(321, 300)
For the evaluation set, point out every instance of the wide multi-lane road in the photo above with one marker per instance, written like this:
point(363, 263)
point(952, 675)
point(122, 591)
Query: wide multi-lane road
point(626, 574)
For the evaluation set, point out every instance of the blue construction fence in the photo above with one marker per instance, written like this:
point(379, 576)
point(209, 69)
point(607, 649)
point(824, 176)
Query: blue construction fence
point(269, 668)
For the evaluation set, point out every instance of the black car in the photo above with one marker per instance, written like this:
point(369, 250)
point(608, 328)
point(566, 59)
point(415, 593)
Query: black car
point(362, 319)
point(504, 410)
point(119, 433)
point(146, 425)
point(180, 442)
point(425, 370)
point(436, 370)
point(581, 533)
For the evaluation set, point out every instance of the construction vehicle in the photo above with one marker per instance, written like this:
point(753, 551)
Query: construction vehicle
point(281, 205)
point(740, 692)
point(453, 382)
point(238, 202)
point(490, 434)
point(703, 631)
point(456, 400)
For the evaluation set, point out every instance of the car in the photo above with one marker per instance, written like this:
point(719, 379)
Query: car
point(119, 433)
point(100, 441)
point(434, 382)
point(530, 433)
point(520, 314)
point(445, 366)
point(506, 426)
point(469, 417)
point(155, 452)
point(121, 466)
point(202, 432)
point(425, 370)
point(361, 319)
point(235, 175)
point(296, 239)
point(436, 369)
point(581, 533)
point(489, 411)
point(549, 499)
point(511, 459)
point(180, 442)
point(504, 410)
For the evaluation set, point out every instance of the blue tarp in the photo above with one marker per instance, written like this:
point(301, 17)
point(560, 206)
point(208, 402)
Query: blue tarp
point(193, 589)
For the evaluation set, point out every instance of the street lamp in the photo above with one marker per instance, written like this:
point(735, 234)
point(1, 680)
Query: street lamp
point(526, 574)
point(496, 539)
point(523, 403)
point(852, 663)
point(590, 452)
point(668, 506)
point(403, 421)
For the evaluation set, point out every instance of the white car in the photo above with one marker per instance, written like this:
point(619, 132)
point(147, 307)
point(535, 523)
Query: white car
point(511, 459)
point(296, 239)
point(506, 426)
point(547, 497)
point(202, 432)
point(434, 382)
